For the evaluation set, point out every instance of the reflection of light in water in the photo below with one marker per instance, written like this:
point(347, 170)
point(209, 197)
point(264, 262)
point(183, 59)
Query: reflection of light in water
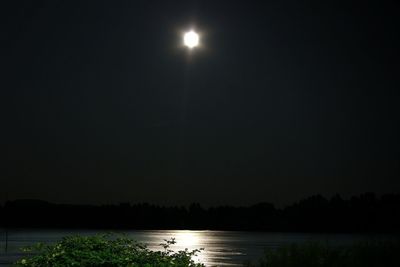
point(201, 239)
point(215, 254)
point(190, 240)
point(187, 239)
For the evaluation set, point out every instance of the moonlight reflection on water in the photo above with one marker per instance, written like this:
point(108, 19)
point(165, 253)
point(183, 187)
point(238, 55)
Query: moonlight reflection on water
point(214, 252)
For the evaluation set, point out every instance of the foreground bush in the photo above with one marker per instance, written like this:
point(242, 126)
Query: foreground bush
point(104, 251)
point(367, 254)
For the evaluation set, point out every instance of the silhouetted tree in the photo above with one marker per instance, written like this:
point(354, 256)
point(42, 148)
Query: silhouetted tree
point(363, 213)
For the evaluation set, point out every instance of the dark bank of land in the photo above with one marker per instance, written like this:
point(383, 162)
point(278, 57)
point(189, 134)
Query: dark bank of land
point(366, 254)
point(363, 213)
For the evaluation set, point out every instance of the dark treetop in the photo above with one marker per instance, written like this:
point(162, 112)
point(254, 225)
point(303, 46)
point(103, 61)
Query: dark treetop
point(364, 213)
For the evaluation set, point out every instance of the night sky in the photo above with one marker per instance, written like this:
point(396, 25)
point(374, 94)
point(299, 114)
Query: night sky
point(101, 103)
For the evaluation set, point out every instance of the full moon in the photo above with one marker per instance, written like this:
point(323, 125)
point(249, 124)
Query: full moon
point(191, 39)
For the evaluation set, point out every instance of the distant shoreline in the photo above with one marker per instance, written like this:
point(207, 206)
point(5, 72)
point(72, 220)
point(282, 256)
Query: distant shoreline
point(366, 213)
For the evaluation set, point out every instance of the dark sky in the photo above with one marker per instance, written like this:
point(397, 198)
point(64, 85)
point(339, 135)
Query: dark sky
point(100, 102)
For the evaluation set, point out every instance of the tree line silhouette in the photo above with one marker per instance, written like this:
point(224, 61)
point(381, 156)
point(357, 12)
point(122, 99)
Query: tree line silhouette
point(363, 213)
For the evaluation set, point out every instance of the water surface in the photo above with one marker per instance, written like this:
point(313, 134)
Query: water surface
point(222, 248)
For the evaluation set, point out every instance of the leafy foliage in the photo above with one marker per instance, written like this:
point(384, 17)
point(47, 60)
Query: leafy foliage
point(105, 251)
point(366, 254)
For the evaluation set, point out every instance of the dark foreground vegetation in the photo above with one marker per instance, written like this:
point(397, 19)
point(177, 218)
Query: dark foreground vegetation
point(366, 254)
point(364, 213)
point(105, 251)
point(109, 251)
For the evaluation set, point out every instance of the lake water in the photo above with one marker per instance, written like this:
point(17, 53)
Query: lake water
point(222, 248)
